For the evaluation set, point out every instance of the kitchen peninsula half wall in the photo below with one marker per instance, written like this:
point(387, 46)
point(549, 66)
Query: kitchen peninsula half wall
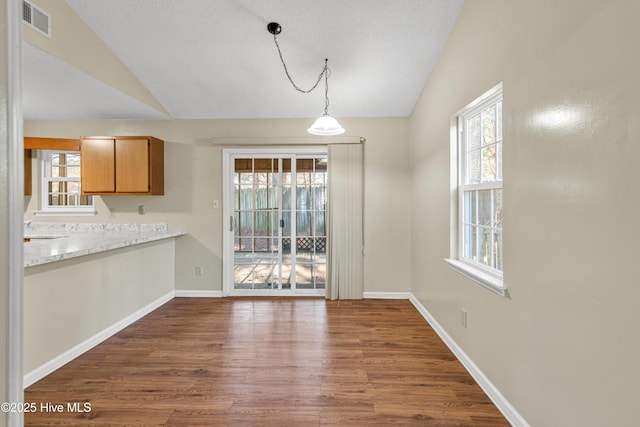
point(85, 282)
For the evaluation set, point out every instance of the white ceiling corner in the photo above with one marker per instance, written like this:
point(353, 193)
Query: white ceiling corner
point(54, 90)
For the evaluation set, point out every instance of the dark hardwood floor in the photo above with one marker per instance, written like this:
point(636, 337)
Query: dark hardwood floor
point(267, 362)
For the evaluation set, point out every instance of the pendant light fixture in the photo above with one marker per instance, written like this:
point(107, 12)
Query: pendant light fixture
point(324, 125)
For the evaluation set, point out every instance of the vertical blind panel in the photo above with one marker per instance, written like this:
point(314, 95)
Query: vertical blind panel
point(345, 276)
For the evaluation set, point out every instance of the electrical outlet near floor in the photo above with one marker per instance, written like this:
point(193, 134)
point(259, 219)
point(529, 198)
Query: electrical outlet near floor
point(198, 270)
point(463, 317)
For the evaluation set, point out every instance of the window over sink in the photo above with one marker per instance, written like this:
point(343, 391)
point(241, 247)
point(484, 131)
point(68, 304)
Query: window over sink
point(60, 189)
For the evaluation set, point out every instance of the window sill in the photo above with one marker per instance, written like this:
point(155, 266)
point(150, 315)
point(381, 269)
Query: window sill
point(65, 213)
point(494, 284)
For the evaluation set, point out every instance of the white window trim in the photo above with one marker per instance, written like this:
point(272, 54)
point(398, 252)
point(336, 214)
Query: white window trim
point(475, 273)
point(66, 212)
point(45, 210)
point(490, 279)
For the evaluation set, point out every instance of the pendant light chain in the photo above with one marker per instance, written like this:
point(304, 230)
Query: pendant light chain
point(326, 72)
point(324, 125)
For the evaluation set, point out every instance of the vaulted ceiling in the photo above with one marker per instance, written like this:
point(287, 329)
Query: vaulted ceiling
point(204, 59)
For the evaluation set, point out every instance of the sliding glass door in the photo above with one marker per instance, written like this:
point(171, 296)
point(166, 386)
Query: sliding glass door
point(276, 239)
point(257, 215)
point(310, 217)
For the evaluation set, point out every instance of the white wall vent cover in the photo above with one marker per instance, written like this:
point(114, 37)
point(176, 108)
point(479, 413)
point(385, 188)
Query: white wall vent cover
point(36, 18)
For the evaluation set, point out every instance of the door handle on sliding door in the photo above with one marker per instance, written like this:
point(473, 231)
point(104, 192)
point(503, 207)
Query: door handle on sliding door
point(231, 223)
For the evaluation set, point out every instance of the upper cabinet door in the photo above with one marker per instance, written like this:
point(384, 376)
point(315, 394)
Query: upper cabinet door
point(98, 165)
point(132, 166)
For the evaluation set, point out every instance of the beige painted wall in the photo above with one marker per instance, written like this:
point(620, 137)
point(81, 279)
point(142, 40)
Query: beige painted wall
point(70, 301)
point(193, 179)
point(563, 348)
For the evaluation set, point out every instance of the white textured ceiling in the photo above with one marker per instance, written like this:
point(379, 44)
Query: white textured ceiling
point(54, 90)
point(215, 58)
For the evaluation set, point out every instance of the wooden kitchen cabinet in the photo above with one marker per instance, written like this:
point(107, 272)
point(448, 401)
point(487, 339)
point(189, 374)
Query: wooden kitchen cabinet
point(28, 180)
point(122, 165)
point(97, 166)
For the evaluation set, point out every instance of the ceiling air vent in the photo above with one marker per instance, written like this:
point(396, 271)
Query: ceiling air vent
point(36, 18)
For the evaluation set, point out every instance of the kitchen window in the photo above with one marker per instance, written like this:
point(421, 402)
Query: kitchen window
point(61, 194)
point(478, 226)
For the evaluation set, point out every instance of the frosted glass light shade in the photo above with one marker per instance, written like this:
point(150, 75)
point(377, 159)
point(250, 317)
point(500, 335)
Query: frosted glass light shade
point(326, 126)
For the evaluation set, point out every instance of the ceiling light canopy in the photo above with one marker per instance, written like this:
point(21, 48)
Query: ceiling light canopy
point(324, 125)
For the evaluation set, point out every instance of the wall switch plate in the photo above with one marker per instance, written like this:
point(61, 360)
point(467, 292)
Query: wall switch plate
point(216, 204)
point(463, 317)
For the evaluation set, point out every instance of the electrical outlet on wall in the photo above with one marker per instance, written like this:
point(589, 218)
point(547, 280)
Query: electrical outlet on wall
point(198, 270)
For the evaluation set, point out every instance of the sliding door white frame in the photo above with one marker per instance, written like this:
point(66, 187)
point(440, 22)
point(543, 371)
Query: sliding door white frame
point(228, 157)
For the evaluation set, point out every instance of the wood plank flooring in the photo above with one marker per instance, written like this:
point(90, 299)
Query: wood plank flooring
point(268, 362)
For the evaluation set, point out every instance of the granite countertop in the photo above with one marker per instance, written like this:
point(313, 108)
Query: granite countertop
point(52, 242)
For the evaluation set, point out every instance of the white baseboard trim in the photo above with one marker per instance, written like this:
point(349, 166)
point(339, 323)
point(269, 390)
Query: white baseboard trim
point(66, 357)
point(387, 295)
point(182, 293)
point(498, 399)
